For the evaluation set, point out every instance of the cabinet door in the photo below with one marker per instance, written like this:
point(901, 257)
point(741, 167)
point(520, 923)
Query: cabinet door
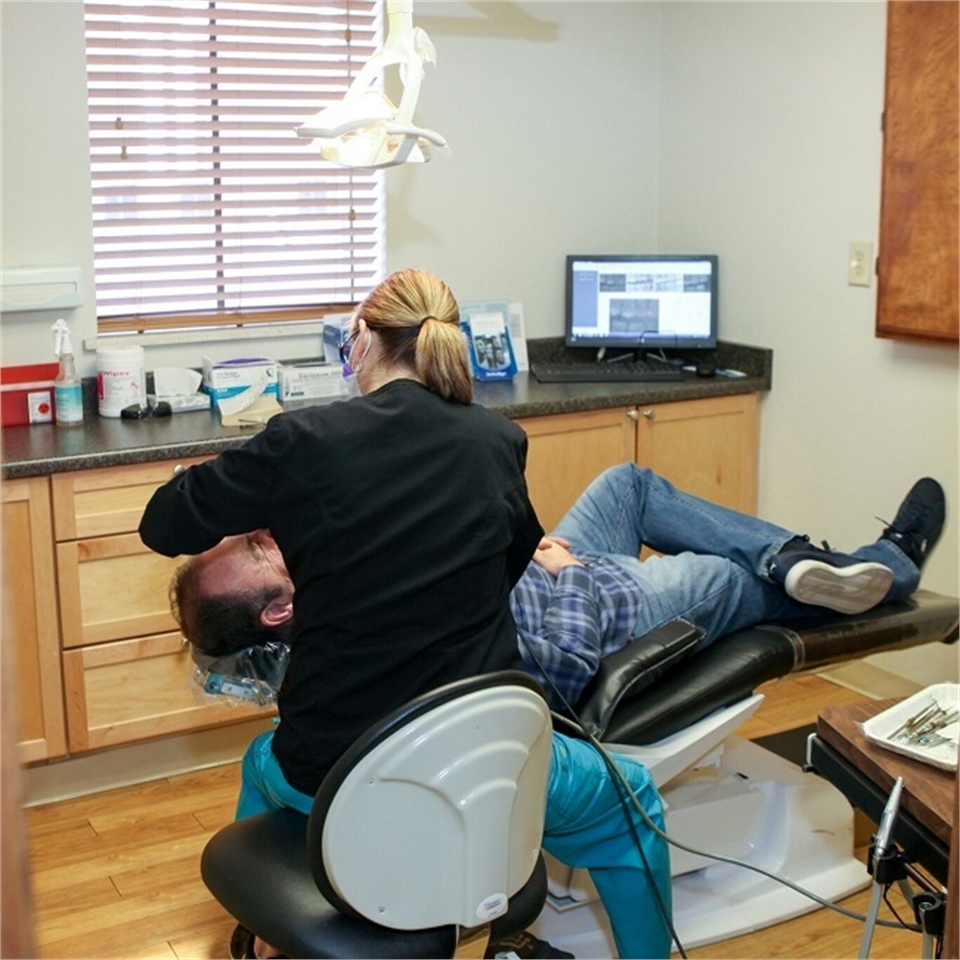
point(917, 279)
point(95, 503)
point(706, 447)
point(30, 617)
point(138, 690)
point(569, 450)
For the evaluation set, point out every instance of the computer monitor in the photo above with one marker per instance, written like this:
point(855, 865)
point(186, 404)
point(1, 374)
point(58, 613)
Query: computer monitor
point(642, 302)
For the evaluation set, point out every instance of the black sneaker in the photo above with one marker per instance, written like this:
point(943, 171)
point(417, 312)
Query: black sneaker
point(525, 946)
point(241, 943)
point(919, 521)
point(823, 578)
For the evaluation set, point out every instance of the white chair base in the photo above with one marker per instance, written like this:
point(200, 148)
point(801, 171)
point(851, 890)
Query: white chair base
point(752, 805)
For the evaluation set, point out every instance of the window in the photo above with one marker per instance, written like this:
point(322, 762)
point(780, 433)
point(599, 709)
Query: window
point(207, 208)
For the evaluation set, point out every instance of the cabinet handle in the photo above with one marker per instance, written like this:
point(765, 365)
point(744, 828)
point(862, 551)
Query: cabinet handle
point(650, 414)
point(179, 468)
point(632, 414)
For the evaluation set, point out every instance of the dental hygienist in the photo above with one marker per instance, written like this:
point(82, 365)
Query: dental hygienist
point(403, 519)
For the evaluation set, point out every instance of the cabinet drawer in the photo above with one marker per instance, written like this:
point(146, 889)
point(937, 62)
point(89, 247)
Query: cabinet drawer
point(139, 690)
point(95, 503)
point(111, 588)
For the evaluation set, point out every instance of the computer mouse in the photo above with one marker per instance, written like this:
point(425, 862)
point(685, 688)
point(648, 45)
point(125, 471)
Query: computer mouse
point(706, 370)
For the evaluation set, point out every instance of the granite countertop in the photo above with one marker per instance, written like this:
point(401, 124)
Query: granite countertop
point(102, 442)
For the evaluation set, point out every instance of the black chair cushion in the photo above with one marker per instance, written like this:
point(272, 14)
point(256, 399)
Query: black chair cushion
point(278, 898)
point(688, 686)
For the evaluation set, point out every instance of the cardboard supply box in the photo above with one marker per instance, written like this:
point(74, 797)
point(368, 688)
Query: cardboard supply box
point(335, 329)
point(229, 378)
point(307, 381)
point(26, 394)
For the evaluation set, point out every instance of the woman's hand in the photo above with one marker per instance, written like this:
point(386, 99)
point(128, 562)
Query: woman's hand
point(553, 554)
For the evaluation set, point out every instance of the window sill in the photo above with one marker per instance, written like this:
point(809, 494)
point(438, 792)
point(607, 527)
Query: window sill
point(210, 335)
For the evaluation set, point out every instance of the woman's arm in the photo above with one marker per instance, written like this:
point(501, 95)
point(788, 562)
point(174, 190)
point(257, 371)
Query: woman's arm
point(206, 502)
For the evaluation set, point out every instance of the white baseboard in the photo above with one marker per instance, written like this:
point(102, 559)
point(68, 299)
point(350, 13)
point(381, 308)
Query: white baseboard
point(897, 673)
point(137, 763)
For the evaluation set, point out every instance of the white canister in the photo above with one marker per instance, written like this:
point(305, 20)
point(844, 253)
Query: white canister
point(121, 379)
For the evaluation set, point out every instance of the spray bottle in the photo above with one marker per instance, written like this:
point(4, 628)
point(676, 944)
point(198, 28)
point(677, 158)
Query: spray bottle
point(67, 388)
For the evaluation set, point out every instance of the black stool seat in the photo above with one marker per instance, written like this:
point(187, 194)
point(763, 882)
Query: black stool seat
point(289, 909)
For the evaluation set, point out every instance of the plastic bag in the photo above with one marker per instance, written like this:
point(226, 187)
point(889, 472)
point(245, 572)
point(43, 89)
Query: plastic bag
point(250, 675)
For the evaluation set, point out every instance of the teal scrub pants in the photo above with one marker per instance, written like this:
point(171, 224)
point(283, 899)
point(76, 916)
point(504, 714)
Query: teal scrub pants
point(586, 826)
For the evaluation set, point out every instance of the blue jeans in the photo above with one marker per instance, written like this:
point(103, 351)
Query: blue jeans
point(715, 571)
point(585, 826)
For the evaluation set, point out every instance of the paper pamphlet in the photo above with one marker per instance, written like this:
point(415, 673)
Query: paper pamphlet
point(486, 326)
point(518, 336)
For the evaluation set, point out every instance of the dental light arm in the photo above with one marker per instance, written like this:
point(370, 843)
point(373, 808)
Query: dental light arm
point(366, 129)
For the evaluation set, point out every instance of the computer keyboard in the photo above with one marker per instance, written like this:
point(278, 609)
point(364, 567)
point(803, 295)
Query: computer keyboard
point(599, 372)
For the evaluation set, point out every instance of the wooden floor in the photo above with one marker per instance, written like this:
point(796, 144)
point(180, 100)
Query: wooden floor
point(116, 874)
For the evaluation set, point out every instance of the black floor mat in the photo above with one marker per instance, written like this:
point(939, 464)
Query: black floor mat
point(789, 744)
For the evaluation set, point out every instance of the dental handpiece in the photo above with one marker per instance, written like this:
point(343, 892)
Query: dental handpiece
point(887, 819)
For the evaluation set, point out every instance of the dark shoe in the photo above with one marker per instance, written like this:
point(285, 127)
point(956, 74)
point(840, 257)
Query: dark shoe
point(919, 521)
point(823, 578)
point(241, 944)
point(525, 946)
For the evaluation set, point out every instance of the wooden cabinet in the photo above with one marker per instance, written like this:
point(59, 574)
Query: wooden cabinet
point(30, 617)
point(99, 661)
point(707, 447)
point(566, 451)
point(917, 268)
point(138, 689)
point(126, 668)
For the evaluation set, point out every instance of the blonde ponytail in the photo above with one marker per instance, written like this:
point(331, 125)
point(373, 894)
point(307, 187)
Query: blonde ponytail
point(418, 320)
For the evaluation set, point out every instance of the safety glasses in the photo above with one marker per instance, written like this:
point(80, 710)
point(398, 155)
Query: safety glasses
point(346, 346)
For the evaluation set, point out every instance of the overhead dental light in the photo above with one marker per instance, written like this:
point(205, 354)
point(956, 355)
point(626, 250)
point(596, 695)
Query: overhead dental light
point(365, 129)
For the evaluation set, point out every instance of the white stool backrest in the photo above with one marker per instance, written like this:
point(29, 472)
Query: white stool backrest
point(441, 821)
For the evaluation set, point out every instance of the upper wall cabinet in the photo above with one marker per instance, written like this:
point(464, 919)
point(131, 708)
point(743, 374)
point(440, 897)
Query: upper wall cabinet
point(917, 269)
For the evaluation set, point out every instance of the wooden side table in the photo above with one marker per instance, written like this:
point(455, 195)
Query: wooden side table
point(864, 772)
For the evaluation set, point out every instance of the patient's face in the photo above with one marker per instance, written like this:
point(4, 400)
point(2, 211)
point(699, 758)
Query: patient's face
point(248, 562)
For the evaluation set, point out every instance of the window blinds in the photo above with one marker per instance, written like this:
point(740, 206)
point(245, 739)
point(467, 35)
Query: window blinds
point(207, 208)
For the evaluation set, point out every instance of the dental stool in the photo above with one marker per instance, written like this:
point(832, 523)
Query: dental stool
point(423, 840)
point(675, 709)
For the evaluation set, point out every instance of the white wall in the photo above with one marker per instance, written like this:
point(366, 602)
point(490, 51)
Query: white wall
point(746, 129)
point(770, 156)
point(554, 148)
point(45, 185)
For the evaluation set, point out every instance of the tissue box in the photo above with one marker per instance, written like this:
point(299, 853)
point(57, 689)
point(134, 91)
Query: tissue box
point(227, 378)
point(26, 394)
point(304, 381)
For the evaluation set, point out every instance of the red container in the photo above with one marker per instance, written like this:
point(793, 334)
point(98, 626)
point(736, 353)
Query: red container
point(26, 394)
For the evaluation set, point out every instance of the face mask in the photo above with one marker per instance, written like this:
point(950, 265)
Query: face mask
point(350, 381)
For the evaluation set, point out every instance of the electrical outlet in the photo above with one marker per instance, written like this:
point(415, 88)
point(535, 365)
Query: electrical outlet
point(860, 264)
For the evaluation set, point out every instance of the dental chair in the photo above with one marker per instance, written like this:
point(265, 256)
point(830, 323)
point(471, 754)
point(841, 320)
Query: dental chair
point(423, 839)
point(675, 708)
point(672, 706)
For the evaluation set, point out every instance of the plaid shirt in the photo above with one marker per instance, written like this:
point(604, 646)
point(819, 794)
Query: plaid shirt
point(572, 621)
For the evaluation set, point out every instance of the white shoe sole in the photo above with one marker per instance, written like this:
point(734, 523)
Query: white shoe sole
point(842, 589)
